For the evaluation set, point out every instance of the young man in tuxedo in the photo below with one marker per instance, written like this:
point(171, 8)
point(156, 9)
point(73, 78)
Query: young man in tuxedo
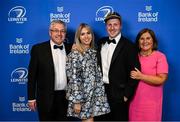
point(117, 56)
point(47, 76)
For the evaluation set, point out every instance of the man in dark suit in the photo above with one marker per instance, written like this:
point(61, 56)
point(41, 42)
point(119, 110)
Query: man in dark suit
point(117, 57)
point(47, 76)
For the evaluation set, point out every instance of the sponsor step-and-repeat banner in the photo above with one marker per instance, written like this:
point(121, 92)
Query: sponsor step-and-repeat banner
point(25, 23)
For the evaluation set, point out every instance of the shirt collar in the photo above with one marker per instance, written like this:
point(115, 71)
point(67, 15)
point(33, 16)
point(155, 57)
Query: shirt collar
point(52, 44)
point(117, 38)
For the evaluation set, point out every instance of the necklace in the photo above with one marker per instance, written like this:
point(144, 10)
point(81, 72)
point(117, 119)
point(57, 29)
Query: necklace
point(146, 53)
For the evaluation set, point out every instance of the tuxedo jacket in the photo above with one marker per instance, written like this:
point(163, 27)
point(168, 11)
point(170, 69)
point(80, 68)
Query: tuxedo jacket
point(124, 59)
point(41, 75)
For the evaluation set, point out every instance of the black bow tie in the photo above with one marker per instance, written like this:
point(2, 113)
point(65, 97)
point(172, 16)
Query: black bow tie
point(111, 41)
point(60, 47)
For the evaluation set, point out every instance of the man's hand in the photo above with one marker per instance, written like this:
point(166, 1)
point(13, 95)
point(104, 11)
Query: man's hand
point(125, 99)
point(74, 47)
point(32, 105)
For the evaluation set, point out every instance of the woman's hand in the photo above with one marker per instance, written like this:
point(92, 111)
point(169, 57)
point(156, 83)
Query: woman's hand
point(136, 74)
point(77, 108)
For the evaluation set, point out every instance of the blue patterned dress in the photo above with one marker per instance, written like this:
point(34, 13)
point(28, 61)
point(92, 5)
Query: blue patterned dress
point(85, 85)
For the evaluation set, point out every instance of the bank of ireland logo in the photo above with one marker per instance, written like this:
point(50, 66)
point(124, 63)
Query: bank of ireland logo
point(17, 14)
point(19, 75)
point(18, 48)
point(148, 8)
point(60, 15)
point(102, 12)
point(20, 105)
point(148, 15)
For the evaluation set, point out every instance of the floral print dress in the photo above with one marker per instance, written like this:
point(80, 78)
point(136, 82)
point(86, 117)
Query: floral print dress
point(85, 85)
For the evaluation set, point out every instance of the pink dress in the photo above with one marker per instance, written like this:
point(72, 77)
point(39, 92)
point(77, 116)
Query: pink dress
point(147, 102)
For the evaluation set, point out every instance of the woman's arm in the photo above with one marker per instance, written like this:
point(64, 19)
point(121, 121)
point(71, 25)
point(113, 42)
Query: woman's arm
point(150, 79)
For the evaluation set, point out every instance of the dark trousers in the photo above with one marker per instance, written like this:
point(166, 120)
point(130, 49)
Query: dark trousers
point(119, 109)
point(58, 111)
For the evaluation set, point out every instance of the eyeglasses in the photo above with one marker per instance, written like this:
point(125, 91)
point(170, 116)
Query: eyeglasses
point(58, 31)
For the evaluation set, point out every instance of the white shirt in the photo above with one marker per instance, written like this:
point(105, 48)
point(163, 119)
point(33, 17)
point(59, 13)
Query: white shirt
point(59, 59)
point(107, 51)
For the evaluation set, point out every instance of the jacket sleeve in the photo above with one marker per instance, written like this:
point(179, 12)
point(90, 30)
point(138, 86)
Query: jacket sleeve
point(32, 75)
point(73, 71)
point(132, 62)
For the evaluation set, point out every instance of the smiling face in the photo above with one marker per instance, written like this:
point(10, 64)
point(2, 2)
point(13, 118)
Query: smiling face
point(57, 33)
point(85, 37)
point(146, 42)
point(113, 27)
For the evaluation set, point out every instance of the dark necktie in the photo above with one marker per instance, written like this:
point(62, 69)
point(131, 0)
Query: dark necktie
point(58, 47)
point(111, 41)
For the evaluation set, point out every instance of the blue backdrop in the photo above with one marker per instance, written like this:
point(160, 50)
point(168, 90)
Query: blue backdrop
point(24, 23)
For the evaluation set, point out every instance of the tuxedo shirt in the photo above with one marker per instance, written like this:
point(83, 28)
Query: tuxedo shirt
point(59, 60)
point(106, 54)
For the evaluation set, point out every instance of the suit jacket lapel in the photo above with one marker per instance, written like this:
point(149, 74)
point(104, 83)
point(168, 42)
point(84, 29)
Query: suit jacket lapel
point(117, 50)
point(67, 48)
point(49, 56)
point(100, 43)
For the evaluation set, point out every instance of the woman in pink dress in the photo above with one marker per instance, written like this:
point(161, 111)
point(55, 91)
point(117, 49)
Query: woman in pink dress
point(147, 102)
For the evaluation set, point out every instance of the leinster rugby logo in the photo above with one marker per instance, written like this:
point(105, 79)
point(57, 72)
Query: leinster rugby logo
point(19, 75)
point(17, 14)
point(102, 12)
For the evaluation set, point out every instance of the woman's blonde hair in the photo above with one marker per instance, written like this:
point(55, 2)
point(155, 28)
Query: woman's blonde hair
point(77, 40)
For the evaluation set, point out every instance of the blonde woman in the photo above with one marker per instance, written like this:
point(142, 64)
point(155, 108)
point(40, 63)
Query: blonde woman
point(85, 90)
